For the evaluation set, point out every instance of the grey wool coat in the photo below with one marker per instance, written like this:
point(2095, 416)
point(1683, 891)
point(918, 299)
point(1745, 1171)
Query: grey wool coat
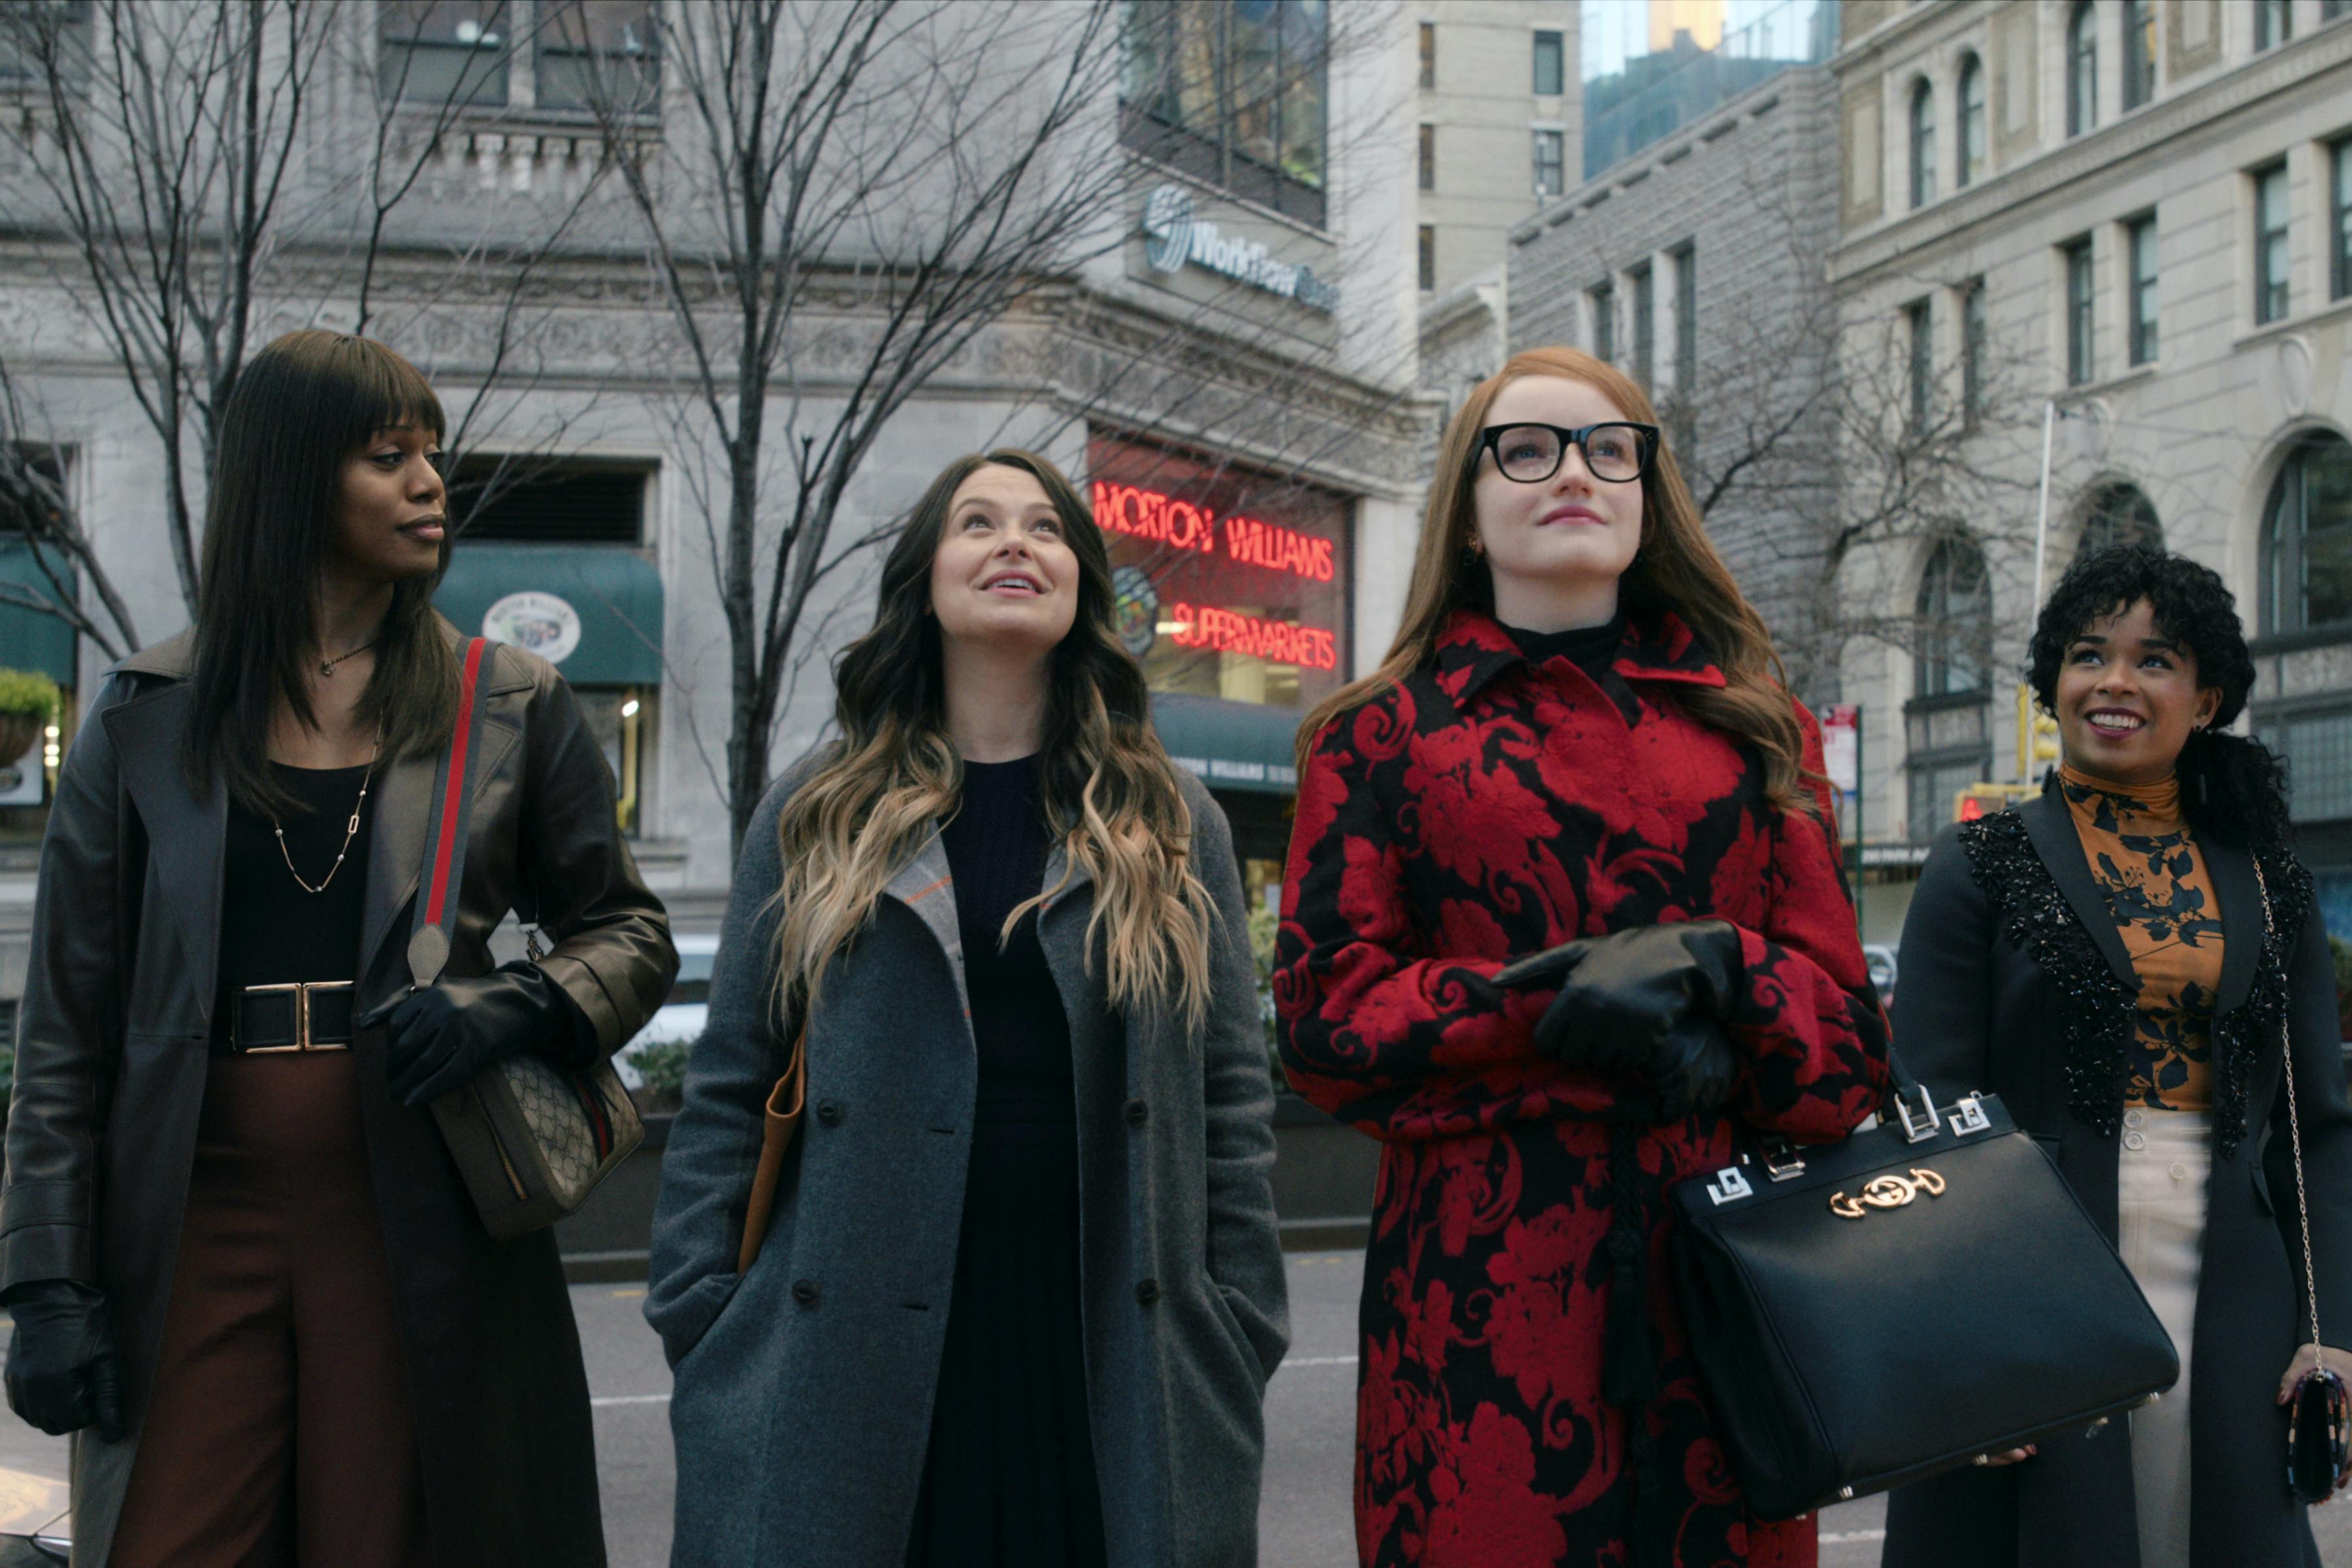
point(803, 1400)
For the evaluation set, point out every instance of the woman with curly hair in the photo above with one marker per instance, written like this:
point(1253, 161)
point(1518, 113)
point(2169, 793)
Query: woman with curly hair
point(2124, 960)
point(1577, 752)
point(1021, 1288)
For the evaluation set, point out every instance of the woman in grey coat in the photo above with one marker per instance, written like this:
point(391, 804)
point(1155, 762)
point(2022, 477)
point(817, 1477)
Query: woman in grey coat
point(1022, 1289)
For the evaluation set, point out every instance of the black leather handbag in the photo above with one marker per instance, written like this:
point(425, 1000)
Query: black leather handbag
point(1871, 1312)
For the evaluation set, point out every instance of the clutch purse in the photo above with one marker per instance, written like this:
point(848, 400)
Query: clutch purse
point(531, 1139)
point(1871, 1313)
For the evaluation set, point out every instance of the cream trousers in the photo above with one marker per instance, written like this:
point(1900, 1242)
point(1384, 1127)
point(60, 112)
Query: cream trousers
point(2163, 1166)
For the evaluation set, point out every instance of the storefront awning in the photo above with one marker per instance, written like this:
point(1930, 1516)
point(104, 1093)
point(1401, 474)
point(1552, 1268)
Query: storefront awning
point(1230, 745)
point(594, 612)
point(30, 639)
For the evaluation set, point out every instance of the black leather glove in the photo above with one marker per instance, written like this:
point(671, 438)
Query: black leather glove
point(61, 1373)
point(1648, 1002)
point(438, 1039)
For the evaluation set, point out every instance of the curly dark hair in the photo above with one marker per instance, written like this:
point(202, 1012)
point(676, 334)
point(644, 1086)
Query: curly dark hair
point(2233, 787)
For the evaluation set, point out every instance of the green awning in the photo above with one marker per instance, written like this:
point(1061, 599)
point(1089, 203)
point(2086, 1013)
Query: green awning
point(1230, 745)
point(31, 638)
point(594, 612)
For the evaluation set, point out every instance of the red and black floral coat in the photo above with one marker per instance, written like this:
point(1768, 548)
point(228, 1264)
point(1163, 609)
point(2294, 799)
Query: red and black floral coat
point(1483, 810)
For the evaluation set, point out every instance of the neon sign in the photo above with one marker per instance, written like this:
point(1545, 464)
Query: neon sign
point(1229, 631)
point(1181, 525)
point(1147, 514)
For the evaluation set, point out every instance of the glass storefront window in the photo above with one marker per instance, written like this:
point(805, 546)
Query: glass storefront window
point(1231, 585)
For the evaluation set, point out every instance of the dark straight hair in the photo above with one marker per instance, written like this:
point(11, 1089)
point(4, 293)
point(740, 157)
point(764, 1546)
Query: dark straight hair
point(301, 409)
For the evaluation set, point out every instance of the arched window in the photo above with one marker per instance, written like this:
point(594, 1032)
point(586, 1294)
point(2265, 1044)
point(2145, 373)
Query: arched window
point(2081, 69)
point(1972, 120)
point(2308, 535)
point(2139, 52)
point(1954, 622)
point(2119, 514)
point(1923, 144)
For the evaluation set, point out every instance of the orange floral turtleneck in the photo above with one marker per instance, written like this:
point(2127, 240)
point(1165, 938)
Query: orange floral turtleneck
point(2153, 879)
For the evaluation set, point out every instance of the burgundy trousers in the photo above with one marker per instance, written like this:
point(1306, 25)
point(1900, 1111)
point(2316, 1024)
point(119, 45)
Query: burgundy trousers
point(279, 1432)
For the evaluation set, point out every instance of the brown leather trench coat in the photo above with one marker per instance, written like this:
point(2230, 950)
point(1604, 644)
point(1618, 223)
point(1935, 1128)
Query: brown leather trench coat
point(112, 1058)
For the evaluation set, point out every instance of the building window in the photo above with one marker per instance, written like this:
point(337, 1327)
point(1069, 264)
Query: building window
point(1685, 261)
point(1428, 259)
point(1601, 301)
point(2339, 214)
point(2081, 69)
point(548, 557)
point(2273, 23)
point(1231, 95)
point(1919, 320)
point(1972, 120)
point(2308, 535)
point(2139, 52)
point(520, 502)
point(2119, 514)
point(1428, 55)
point(444, 51)
point(1233, 587)
point(1550, 64)
point(2331, 9)
point(1944, 723)
point(2143, 339)
point(2081, 358)
point(2270, 243)
point(1551, 162)
point(1973, 345)
point(1955, 608)
point(1645, 324)
point(57, 31)
point(1429, 157)
point(600, 51)
point(1923, 144)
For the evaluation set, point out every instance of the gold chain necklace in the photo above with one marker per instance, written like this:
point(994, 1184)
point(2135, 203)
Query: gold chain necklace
point(351, 829)
point(326, 666)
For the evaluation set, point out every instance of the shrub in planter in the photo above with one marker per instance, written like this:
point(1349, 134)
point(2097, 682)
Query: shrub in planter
point(28, 705)
point(661, 1075)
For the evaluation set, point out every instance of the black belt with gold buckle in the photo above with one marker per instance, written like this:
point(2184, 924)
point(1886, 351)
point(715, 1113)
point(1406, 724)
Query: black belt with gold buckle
point(300, 1016)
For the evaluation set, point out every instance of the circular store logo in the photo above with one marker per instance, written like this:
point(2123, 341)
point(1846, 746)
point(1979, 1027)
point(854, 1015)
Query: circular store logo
point(542, 623)
point(1168, 225)
point(1135, 607)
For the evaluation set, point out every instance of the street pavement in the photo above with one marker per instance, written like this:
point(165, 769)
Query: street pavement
point(1303, 1518)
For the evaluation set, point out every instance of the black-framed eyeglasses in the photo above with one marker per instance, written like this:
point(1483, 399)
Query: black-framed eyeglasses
point(1618, 451)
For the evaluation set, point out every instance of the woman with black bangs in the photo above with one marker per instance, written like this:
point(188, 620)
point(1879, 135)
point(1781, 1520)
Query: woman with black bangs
point(2119, 960)
point(242, 1268)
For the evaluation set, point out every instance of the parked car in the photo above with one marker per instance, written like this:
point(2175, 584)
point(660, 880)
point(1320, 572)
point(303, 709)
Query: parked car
point(34, 1516)
point(681, 1018)
point(1880, 960)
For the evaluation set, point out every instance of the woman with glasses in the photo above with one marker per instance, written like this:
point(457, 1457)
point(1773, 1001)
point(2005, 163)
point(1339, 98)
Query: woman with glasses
point(2126, 960)
point(1579, 753)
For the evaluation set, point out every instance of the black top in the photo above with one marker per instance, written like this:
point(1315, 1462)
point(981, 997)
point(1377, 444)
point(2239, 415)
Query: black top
point(996, 849)
point(271, 931)
point(1593, 649)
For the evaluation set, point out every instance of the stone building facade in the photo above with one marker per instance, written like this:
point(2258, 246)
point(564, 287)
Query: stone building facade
point(1158, 376)
point(2138, 213)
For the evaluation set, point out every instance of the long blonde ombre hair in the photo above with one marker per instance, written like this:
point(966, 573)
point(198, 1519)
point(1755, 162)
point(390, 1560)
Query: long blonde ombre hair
point(1108, 789)
point(1676, 568)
